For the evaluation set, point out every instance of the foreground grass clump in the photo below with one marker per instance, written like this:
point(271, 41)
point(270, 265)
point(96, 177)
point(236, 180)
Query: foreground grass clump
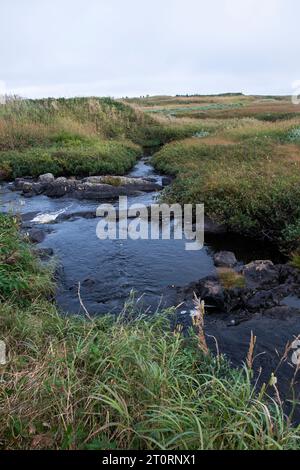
point(126, 383)
point(106, 384)
point(21, 277)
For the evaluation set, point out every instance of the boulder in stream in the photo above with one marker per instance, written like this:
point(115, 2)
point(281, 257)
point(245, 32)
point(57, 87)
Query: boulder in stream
point(225, 259)
point(46, 178)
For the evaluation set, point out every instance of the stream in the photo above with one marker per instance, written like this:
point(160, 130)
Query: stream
point(109, 271)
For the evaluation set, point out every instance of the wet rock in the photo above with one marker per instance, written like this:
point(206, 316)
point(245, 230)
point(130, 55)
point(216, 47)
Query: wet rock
point(288, 274)
point(19, 183)
point(60, 187)
point(36, 235)
point(261, 300)
point(261, 274)
point(213, 293)
point(46, 178)
point(38, 188)
point(62, 180)
point(208, 289)
point(27, 187)
point(225, 259)
point(95, 188)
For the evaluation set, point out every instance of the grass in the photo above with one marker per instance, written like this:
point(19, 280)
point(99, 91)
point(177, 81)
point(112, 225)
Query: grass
point(67, 137)
point(247, 177)
point(80, 136)
point(89, 158)
point(230, 279)
point(295, 260)
point(126, 383)
point(21, 277)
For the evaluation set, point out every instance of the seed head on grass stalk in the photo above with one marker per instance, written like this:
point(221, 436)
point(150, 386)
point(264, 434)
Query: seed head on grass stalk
point(250, 355)
point(198, 322)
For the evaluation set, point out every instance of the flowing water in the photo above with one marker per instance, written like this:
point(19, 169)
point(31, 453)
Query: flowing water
point(108, 271)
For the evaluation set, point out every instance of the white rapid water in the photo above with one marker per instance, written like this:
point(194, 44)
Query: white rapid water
point(48, 217)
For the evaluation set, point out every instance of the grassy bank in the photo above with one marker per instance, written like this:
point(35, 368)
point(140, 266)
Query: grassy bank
point(67, 137)
point(245, 170)
point(71, 383)
point(87, 157)
point(80, 136)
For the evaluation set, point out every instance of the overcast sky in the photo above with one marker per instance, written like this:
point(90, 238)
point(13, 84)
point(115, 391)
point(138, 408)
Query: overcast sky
point(138, 47)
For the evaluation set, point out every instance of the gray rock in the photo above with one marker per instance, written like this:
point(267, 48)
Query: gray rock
point(261, 300)
point(62, 180)
point(36, 235)
point(208, 289)
point(27, 187)
point(60, 187)
point(18, 184)
point(225, 259)
point(46, 178)
point(38, 188)
point(261, 274)
point(213, 293)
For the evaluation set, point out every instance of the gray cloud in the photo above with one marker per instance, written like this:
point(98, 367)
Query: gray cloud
point(120, 48)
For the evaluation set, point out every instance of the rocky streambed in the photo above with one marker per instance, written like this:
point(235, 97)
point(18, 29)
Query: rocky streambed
point(92, 188)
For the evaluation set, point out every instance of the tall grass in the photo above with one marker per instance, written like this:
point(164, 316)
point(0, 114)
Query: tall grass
point(76, 136)
point(126, 383)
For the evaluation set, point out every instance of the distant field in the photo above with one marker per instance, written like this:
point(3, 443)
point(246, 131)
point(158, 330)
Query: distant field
point(222, 106)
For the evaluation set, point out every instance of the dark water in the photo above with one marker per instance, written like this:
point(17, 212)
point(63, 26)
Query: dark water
point(109, 270)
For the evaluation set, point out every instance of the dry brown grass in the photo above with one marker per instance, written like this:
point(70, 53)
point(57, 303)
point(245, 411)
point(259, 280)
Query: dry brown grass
point(288, 152)
point(198, 322)
point(250, 355)
point(230, 279)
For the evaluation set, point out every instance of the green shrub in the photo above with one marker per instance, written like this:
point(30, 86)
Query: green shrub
point(106, 157)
